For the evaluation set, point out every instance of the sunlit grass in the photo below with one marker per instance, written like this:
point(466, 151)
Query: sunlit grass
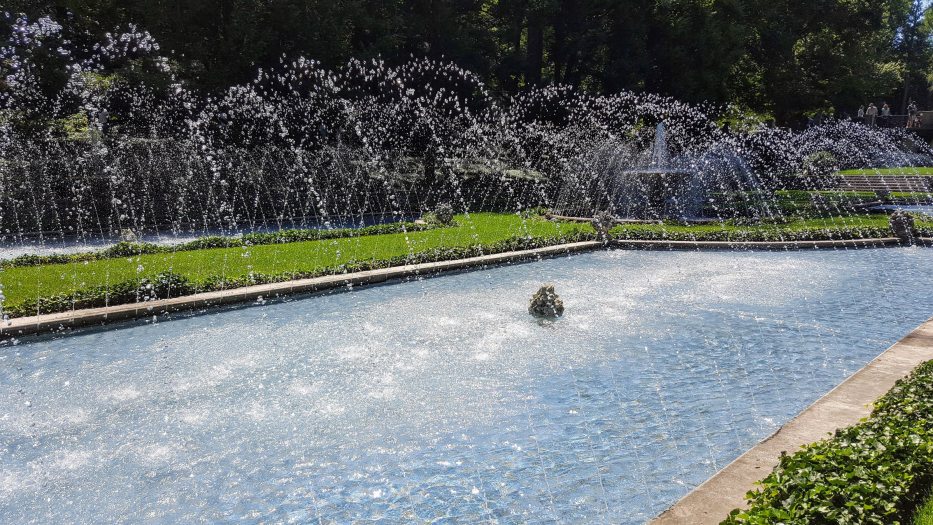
point(289, 260)
point(801, 225)
point(30, 282)
point(925, 171)
point(924, 515)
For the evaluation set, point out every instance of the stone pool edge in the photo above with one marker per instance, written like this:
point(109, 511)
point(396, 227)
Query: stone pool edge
point(24, 326)
point(845, 405)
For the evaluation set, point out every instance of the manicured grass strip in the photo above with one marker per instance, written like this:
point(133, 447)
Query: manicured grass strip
point(217, 268)
point(924, 515)
point(129, 249)
point(850, 227)
point(870, 473)
point(807, 195)
point(913, 195)
point(85, 283)
point(907, 170)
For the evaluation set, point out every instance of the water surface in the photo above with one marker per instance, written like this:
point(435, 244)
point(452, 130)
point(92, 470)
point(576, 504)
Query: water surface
point(441, 400)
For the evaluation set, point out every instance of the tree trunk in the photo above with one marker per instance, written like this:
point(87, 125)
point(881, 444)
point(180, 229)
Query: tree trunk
point(535, 54)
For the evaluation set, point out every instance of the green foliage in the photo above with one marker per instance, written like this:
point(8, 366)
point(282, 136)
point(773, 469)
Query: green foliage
point(536, 212)
point(907, 171)
point(821, 163)
point(132, 249)
point(121, 249)
point(743, 119)
point(924, 515)
point(856, 227)
point(163, 286)
point(923, 224)
point(871, 473)
point(780, 58)
point(75, 127)
point(97, 83)
point(442, 215)
point(835, 203)
point(737, 203)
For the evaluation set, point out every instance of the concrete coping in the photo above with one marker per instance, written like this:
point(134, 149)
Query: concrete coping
point(711, 502)
point(23, 326)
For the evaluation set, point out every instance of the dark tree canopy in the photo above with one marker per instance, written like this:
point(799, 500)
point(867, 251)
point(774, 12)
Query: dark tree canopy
point(780, 58)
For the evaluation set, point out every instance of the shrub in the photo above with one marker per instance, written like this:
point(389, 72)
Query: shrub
point(128, 249)
point(163, 286)
point(821, 163)
point(874, 472)
point(536, 212)
point(442, 215)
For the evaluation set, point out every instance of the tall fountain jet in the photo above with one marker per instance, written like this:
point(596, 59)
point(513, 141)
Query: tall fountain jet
point(660, 155)
point(656, 189)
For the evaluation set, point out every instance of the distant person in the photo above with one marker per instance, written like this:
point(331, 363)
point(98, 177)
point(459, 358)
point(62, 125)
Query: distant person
point(861, 113)
point(871, 113)
point(912, 115)
point(885, 110)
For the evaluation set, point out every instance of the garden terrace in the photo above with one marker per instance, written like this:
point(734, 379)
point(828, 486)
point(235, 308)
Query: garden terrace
point(129, 273)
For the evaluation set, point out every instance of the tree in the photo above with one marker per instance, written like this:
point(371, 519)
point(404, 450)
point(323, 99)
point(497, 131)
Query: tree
point(782, 57)
point(913, 44)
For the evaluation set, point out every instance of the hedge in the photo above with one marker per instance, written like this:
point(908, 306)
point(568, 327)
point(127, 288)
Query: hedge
point(875, 472)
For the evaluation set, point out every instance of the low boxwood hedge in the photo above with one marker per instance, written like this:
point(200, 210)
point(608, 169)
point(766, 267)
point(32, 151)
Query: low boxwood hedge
point(875, 472)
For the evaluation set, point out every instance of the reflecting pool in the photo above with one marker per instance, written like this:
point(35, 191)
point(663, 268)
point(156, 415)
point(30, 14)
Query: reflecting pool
point(441, 399)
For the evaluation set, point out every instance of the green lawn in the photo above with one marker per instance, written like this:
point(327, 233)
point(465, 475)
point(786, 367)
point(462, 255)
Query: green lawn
point(924, 515)
point(925, 171)
point(911, 195)
point(29, 282)
point(99, 280)
point(807, 195)
point(766, 230)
